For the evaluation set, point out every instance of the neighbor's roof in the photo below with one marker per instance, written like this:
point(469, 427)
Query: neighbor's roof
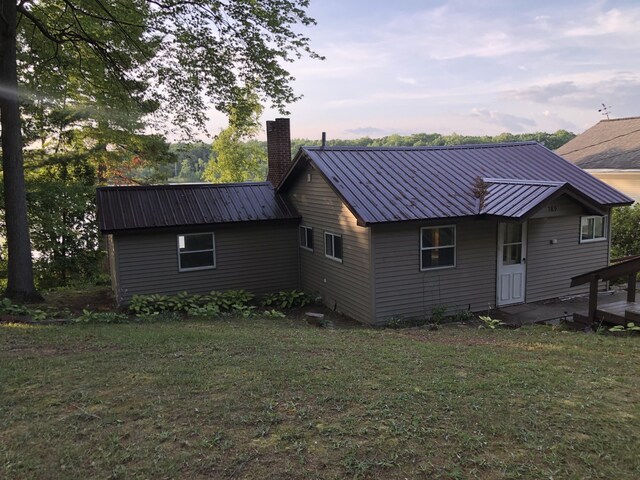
point(417, 183)
point(126, 208)
point(608, 144)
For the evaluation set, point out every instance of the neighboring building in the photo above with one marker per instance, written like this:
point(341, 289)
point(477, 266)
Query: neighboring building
point(610, 151)
point(376, 232)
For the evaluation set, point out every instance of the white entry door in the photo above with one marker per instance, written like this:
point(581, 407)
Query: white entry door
point(512, 249)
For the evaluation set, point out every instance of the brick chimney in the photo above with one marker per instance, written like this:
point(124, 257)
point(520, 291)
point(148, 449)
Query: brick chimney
point(278, 149)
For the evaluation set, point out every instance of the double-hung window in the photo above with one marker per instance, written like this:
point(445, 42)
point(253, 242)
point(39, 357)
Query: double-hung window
point(593, 228)
point(196, 251)
point(306, 238)
point(333, 246)
point(437, 247)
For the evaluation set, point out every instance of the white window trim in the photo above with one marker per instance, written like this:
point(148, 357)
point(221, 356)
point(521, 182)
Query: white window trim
point(304, 247)
point(605, 229)
point(214, 251)
point(455, 248)
point(331, 257)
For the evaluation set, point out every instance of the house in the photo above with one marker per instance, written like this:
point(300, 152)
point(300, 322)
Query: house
point(610, 151)
point(376, 232)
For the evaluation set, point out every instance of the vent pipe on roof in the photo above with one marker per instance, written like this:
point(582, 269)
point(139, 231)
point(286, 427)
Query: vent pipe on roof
point(278, 149)
point(324, 139)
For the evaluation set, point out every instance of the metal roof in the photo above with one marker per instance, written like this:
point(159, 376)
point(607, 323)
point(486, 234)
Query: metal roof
point(516, 199)
point(125, 208)
point(392, 184)
point(608, 144)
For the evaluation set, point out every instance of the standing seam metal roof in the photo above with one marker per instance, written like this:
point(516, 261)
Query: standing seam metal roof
point(391, 184)
point(160, 206)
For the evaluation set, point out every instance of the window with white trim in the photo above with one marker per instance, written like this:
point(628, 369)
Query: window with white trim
point(196, 251)
point(437, 247)
point(306, 238)
point(333, 246)
point(593, 228)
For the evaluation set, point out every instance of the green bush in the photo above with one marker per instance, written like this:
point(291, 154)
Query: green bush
point(9, 308)
point(625, 231)
point(286, 300)
point(193, 305)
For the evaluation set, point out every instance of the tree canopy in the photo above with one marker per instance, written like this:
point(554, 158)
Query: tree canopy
point(109, 68)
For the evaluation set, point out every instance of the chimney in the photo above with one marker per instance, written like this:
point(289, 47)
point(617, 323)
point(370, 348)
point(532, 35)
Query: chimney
point(278, 149)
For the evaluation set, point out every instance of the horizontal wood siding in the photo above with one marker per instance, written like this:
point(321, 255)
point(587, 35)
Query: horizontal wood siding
point(627, 182)
point(258, 258)
point(550, 266)
point(402, 289)
point(346, 286)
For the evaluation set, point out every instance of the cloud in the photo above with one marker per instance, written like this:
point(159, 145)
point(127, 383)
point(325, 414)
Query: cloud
point(610, 22)
point(545, 93)
point(620, 90)
point(366, 131)
point(511, 123)
point(407, 80)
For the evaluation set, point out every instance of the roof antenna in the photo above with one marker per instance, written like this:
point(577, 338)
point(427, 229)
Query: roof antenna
point(605, 110)
point(324, 139)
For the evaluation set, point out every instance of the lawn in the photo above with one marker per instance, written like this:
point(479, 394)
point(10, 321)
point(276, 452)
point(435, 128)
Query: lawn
point(280, 399)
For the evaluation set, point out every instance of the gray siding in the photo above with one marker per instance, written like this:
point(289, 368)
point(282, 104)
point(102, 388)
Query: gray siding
point(345, 286)
point(260, 258)
point(551, 266)
point(402, 289)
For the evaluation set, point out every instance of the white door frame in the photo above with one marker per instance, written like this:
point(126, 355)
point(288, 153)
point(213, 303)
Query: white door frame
point(511, 280)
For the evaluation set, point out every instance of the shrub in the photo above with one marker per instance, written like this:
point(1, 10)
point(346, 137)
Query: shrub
point(625, 225)
point(193, 305)
point(273, 313)
point(9, 308)
point(286, 300)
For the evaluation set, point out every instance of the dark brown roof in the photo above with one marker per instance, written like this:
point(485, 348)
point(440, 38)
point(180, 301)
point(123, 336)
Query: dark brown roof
point(608, 144)
point(417, 183)
point(127, 208)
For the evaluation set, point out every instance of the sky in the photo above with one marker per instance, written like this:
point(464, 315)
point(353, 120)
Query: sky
point(473, 67)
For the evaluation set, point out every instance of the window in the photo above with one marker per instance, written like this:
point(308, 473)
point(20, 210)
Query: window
point(593, 229)
point(333, 246)
point(437, 247)
point(306, 238)
point(196, 251)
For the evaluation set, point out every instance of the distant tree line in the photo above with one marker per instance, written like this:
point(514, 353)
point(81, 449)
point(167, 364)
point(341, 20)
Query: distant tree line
point(193, 160)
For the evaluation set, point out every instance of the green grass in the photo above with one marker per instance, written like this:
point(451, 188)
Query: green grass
point(280, 399)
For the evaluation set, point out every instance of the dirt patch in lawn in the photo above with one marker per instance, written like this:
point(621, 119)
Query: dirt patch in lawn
point(95, 299)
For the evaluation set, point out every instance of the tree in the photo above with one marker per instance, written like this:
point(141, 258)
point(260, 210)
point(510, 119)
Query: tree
point(625, 224)
point(234, 157)
point(177, 56)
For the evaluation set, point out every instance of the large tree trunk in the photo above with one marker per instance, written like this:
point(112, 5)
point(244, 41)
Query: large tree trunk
point(20, 284)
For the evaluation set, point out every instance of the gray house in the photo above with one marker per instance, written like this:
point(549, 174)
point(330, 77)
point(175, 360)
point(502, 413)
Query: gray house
point(376, 232)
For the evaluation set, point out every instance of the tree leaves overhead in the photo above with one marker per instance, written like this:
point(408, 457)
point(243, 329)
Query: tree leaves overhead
point(184, 56)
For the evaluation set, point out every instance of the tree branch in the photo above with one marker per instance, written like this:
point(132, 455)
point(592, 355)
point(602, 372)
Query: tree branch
point(41, 26)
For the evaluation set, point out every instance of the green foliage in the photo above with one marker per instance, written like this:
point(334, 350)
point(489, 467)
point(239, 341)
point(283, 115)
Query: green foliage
point(491, 323)
point(234, 158)
point(273, 313)
point(438, 314)
point(464, 316)
point(101, 317)
point(625, 229)
point(629, 327)
point(286, 300)
point(9, 308)
point(204, 311)
point(210, 305)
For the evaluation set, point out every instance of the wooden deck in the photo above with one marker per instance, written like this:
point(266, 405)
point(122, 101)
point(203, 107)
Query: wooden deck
point(619, 313)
